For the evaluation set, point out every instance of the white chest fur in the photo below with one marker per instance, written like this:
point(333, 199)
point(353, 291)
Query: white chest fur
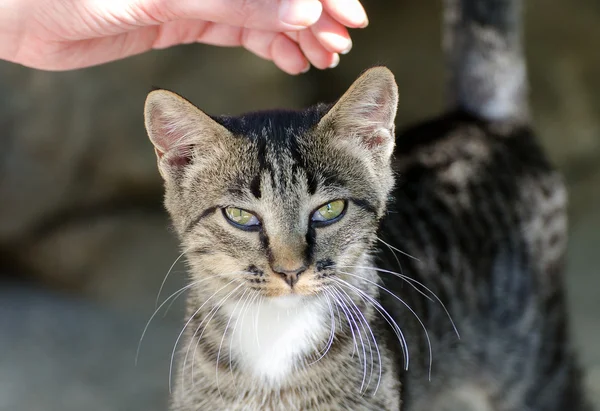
point(268, 338)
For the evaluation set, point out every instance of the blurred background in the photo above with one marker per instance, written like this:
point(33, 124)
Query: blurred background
point(84, 240)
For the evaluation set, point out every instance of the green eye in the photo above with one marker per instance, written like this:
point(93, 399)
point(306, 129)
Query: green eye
point(329, 212)
point(241, 217)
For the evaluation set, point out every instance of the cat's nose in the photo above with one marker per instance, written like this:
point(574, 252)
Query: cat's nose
point(289, 275)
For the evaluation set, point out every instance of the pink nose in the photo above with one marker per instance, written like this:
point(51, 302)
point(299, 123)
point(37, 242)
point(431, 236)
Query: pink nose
point(290, 276)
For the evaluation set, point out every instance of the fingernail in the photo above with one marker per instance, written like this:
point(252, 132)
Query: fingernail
point(336, 61)
point(347, 49)
point(300, 12)
point(356, 14)
point(306, 69)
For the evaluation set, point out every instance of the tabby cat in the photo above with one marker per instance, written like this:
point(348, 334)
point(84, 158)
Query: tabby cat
point(332, 264)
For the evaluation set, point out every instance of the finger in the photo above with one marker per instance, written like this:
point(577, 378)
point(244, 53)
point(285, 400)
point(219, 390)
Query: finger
point(332, 35)
point(280, 15)
point(287, 55)
point(182, 32)
point(220, 35)
point(350, 13)
point(292, 35)
point(258, 42)
point(300, 12)
point(315, 52)
point(197, 31)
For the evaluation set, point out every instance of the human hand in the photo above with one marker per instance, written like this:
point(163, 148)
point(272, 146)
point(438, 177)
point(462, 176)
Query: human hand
point(69, 34)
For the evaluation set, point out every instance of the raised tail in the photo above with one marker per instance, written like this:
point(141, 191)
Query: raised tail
point(484, 50)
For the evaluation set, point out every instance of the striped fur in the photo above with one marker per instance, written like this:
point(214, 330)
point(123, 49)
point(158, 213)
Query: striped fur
point(475, 203)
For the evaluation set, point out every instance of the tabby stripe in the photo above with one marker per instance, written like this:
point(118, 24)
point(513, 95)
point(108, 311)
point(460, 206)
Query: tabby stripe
point(365, 205)
point(255, 186)
point(204, 214)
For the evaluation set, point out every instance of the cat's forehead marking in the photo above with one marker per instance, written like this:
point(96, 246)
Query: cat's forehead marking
point(278, 123)
point(276, 157)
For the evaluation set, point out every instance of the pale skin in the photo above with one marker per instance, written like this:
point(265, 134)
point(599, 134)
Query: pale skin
point(69, 34)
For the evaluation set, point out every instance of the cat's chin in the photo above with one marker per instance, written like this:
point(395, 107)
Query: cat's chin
point(288, 300)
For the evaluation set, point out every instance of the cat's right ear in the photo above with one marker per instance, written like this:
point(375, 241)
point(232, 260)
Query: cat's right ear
point(364, 115)
point(175, 126)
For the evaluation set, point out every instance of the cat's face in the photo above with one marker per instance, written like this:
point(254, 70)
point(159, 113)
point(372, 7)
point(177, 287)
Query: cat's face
point(277, 202)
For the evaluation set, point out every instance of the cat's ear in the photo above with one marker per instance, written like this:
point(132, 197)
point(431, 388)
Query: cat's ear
point(365, 114)
point(175, 126)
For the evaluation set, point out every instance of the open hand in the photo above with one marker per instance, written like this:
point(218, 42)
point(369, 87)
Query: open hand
point(69, 34)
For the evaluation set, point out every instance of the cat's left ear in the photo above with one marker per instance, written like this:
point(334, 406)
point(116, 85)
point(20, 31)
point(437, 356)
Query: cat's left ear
point(177, 129)
point(365, 114)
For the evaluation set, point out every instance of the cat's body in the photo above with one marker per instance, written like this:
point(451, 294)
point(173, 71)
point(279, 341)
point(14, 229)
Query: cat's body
point(483, 211)
point(279, 213)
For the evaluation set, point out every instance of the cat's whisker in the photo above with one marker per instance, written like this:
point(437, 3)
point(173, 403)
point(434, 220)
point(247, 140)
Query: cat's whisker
point(256, 318)
point(339, 306)
point(377, 305)
point(357, 315)
point(337, 309)
point(252, 296)
point(208, 318)
point(244, 310)
point(329, 342)
point(242, 297)
point(179, 294)
point(167, 275)
point(413, 282)
point(351, 322)
point(385, 315)
point(185, 327)
point(157, 310)
point(394, 254)
point(399, 275)
point(409, 308)
point(359, 332)
point(400, 251)
point(366, 324)
point(332, 326)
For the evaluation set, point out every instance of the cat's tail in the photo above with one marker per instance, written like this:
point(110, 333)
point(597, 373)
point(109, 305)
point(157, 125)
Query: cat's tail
point(483, 45)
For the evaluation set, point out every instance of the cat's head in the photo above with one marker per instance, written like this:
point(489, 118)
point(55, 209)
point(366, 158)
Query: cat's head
point(278, 201)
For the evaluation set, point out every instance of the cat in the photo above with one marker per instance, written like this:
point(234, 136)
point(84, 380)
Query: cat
point(333, 262)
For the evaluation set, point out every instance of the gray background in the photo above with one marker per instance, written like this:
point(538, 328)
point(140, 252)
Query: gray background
point(84, 242)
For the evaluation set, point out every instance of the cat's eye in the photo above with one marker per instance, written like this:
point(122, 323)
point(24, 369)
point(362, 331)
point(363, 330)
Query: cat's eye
point(241, 218)
point(329, 213)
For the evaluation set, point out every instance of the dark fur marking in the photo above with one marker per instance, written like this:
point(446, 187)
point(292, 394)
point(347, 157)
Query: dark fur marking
point(264, 239)
point(365, 205)
point(265, 244)
point(255, 270)
point(324, 264)
point(313, 183)
point(202, 251)
point(255, 186)
point(204, 214)
point(311, 238)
